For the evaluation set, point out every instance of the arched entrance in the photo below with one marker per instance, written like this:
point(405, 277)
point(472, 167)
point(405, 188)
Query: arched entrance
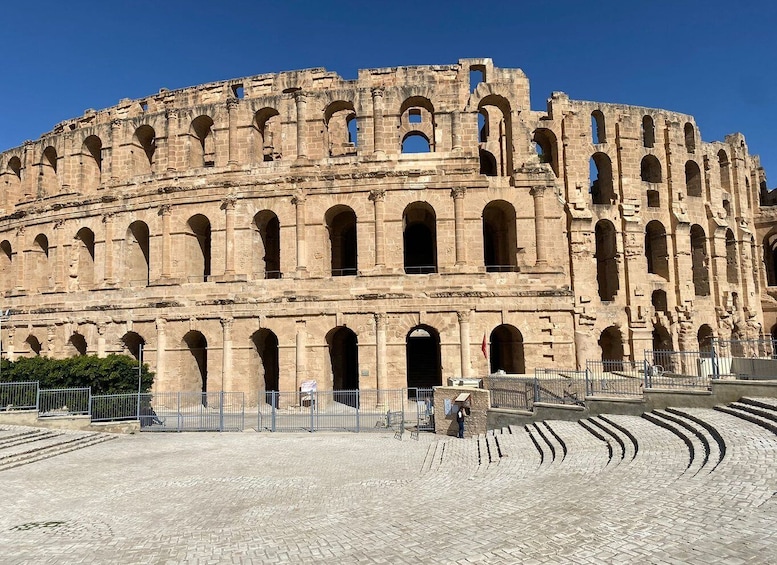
point(506, 350)
point(704, 337)
point(133, 344)
point(265, 347)
point(424, 366)
point(344, 362)
point(195, 366)
point(611, 344)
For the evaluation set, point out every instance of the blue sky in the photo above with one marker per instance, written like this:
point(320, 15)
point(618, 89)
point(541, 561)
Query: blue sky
point(714, 60)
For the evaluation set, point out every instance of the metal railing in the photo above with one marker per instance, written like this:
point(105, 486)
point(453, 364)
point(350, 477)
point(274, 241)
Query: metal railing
point(64, 402)
point(618, 378)
point(18, 396)
point(513, 392)
point(679, 370)
point(420, 269)
point(560, 386)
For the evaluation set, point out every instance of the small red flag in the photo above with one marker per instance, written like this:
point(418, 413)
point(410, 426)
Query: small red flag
point(484, 347)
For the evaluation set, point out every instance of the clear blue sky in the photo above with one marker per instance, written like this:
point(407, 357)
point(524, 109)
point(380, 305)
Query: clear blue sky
point(714, 60)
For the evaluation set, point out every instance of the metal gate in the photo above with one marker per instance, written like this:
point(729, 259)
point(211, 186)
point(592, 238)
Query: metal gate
point(192, 411)
point(424, 403)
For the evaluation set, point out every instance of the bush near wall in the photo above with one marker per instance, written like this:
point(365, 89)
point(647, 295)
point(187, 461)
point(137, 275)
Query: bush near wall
point(113, 374)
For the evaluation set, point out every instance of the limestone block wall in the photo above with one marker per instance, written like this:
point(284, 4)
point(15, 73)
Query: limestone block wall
point(255, 233)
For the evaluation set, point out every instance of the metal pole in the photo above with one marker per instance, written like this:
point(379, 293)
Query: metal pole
point(140, 375)
point(3, 316)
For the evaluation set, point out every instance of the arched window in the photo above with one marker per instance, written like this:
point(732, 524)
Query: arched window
point(659, 302)
point(202, 146)
point(142, 150)
point(91, 163)
point(344, 362)
point(547, 147)
point(49, 182)
point(606, 260)
point(598, 129)
point(417, 125)
point(704, 337)
point(197, 247)
point(701, 279)
point(265, 363)
point(33, 344)
point(662, 340)
point(656, 250)
point(39, 272)
point(732, 265)
point(137, 255)
point(602, 190)
point(495, 131)
point(650, 169)
point(341, 225)
point(770, 258)
point(422, 352)
point(419, 239)
point(338, 136)
point(690, 137)
point(499, 237)
point(194, 369)
point(725, 180)
point(267, 245)
point(488, 164)
point(12, 179)
point(611, 345)
point(267, 124)
point(82, 261)
point(133, 344)
point(648, 132)
point(77, 345)
point(6, 266)
point(692, 179)
point(415, 142)
point(506, 350)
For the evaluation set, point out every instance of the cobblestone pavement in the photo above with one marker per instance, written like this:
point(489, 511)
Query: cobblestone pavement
point(626, 491)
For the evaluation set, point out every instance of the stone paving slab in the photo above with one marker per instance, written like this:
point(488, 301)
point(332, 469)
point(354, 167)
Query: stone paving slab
point(369, 498)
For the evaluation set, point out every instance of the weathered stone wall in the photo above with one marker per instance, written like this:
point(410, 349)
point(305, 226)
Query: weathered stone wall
point(275, 225)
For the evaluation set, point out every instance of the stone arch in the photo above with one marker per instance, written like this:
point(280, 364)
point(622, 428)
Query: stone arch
point(499, 236)
point(701, 279)
point(611, 345)
point(547, 145)
point(662, 339)
point(690, 137)
point(198, 248)
point(194, 375)
point(340, 222)
point(76, 345)
point(496, 135)
point(598, 127)
point(602, 188)
point(267, 245)
point(650, 169)
point(606, 260)
point(419, 237)
point(343, 347)
point(656, 250)
point(91, 163)
point(12, 180)
point(692, 178)
point(137, 255)
point(506, 351)
point(770, 257)
point(338, 138)
point(648, 131)
point(416, 142)
point(6, 266)
point(202, 145)
point(132, 343)
point(725, 174)
point(267, 125)
point(143, 150)
point(416, 119)
point(265, 349)
point(48, 182)
point(732, 262)
point(488, 164)
point(704, 338)
point(82, 272)
point(423, 357)
point(38, 269)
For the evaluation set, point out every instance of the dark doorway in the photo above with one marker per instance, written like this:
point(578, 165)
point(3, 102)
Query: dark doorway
point(424, 366)
point(506, 351)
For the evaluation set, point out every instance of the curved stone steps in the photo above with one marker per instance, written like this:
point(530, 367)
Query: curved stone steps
point(703, 445)
point(625, 447)
point(676, 430)
point(598, 434)
point(750, 414)
point(719, 447)
point(583, 451)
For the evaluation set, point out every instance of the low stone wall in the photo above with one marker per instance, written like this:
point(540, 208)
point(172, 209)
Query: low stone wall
point(80, 423)
point(475, 423)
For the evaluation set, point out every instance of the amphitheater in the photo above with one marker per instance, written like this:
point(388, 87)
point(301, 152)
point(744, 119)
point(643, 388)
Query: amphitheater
point(252, 234)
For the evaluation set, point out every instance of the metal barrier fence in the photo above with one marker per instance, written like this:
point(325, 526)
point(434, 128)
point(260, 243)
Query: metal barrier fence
point(192, 411)
point(615, 378)
point(683, 370)
point(19, 396)
point(64, 402)
point(115, 407)
point(515, 392)
point(560, 386)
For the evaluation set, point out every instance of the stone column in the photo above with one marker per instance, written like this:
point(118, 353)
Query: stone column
point(301, 356)
point(108, 275)
point(69, 163)
point(301, 102)
point(232, 104)
point(299, 202)
point(59, 257)
point(165, 211)
point(172, 131)
point(161, 345)
point(538, 193)
point(380, 354)
point(378, 197)
point(228, 205)
point(113, 156)
point(30, 177)
point(101, 340)
point(464, 339)
point(458, 218)
point(20, 256)
point(377, 121)
point(456, 130)
point(226, 351)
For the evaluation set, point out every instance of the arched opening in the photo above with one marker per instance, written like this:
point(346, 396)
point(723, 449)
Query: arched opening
point(33, 344)
point(202, 146)
point(547, 147)
point(600, 170)
point(77, 345)
point(419, 239)
point(198, 243)
point(341, 225)
point(662, 339)
point(82, 260)
point(267, 367)
point(424, 364)
point(506, 350)
point(142, 150)
point(732, 265)
point(690, 137)
point(704, 337)
point(656, 250)
point(137, 255)
point(12, 179)
point(650, 169)
point(344, 362)
point(267, 245)
point(648, 132)
point(267, 124)
point(194, 375)
point(133, 344)
point(339, 139)
point(415, 142)
point(659, 302)
point(39, 275)
point(692, 179)
point(725, 178)
point(598, 130)
point(91, 163)
point(6, 265)
point(701, 279)
point(49, 183)
point(488, 165)
point(495, 135)
point(499, 237)
point(770, 258)
point(606, 260)
point(611, 345)
point(477, 74)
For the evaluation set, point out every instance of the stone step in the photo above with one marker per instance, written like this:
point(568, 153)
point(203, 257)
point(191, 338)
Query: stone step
point(52, 450)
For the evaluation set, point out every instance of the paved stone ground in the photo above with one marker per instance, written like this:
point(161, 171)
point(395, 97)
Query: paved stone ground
point(368, 498)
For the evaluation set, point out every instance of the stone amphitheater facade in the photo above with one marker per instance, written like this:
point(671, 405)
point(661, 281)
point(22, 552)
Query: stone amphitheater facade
point(256, 233)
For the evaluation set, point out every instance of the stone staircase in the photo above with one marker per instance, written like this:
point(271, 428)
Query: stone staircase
point(21, 445)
